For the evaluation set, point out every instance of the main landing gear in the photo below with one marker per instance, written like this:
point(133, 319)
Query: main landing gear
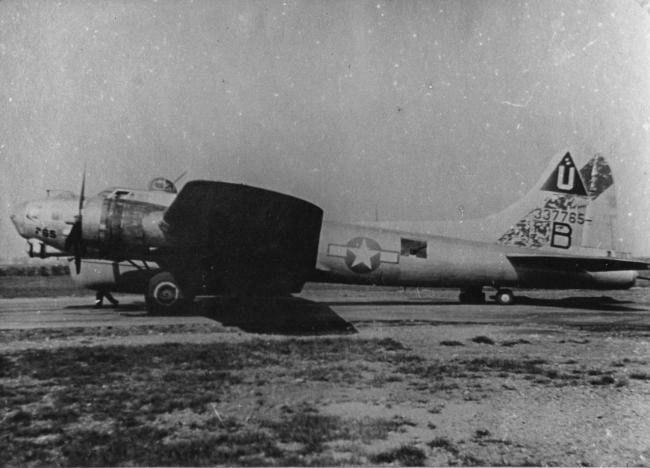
point(474, 295)
point(164, 296)
point(504, 297)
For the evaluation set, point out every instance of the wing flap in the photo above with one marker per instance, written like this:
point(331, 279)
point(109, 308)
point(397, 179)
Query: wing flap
point(576, 263)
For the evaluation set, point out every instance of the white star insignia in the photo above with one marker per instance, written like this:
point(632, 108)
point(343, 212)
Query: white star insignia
point(363, 255)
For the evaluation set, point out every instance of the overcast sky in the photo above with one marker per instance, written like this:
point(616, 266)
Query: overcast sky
point(413, 109)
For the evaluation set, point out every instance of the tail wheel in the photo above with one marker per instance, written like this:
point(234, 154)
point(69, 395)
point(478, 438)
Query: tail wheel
point(164, 296)
point(504, 297)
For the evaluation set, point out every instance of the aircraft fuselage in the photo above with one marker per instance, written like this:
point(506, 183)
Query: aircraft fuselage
point(353, 254)
point(125, 224)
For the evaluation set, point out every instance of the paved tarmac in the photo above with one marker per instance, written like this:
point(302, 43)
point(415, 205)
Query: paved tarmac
point(332, 309)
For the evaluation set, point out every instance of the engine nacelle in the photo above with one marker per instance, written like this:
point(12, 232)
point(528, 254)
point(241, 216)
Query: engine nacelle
point(614, 279)
point(126, 227)
point(113, 276)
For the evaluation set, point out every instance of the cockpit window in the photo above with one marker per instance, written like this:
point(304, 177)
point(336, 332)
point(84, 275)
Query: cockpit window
point(32, 212)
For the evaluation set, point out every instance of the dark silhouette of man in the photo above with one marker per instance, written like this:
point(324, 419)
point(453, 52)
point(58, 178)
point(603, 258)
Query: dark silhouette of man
point(99, 298)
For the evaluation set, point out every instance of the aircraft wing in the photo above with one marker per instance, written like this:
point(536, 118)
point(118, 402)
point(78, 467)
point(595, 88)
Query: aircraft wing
point(250, 240)
point(575, 263)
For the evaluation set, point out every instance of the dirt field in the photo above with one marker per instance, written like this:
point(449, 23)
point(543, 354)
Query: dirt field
point(360, 376)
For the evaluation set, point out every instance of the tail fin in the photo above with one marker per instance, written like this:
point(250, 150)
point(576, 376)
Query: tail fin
point(567, 211)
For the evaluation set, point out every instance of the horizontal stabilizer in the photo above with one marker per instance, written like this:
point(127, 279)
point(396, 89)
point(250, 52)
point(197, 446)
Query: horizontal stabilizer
point(576, 263)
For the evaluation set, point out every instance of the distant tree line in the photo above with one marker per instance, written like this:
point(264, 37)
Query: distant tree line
point(34, 270)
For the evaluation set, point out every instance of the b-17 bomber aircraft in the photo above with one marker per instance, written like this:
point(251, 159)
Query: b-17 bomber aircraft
point(219, 238)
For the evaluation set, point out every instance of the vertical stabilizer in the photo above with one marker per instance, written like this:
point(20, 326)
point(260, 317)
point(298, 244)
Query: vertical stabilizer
point(568, 211)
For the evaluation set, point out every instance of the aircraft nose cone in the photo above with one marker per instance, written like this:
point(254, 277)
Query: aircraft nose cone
point(17, 216)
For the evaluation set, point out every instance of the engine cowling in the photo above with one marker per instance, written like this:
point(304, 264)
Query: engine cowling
point(123, 227)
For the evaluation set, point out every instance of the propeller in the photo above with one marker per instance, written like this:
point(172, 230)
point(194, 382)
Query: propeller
point(74, 242)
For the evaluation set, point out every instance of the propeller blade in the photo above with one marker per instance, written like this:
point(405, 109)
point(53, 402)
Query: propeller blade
point(83, 191)
point(74, 242)
point(73, 237)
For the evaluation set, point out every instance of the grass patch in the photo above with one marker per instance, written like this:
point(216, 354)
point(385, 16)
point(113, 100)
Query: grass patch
point(5, 365)
point(483, 340)
point(444, 444)
point(640, 376)
point(44, 334)
point(481, 433)
point(511, 343)
point(433, 376)
point(306, 426)
point(451, 343)
point(603, 380)
point(35, 270)
point(157, 404)
point(526, 366)
point(405, 455)
point(146, 445)
point(622, 382)
point(530, 368)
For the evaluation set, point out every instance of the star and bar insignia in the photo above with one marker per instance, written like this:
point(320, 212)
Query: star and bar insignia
point(362, 254)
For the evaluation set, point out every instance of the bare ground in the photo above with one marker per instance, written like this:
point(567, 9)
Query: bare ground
point(487, 390)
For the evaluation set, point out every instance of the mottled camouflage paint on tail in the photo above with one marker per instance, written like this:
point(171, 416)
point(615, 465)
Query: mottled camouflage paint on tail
point(560, 218)
point(535, 229)
point(598, 180)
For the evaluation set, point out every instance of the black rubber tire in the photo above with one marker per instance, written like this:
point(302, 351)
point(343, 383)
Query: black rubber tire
point(504, 297)
point(164, 296)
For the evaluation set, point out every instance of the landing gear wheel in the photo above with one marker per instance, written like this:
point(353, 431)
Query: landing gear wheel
point(504, 297)
point(164, 296)
point(472, 296)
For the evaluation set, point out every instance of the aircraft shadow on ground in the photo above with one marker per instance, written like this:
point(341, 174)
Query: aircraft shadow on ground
point(286, 316)
point(121, 307)
point(601, 303)
point(389, 302)
point(302, 310)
